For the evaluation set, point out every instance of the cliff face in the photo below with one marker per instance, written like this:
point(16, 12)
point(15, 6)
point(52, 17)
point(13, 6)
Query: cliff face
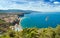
point(8, 18)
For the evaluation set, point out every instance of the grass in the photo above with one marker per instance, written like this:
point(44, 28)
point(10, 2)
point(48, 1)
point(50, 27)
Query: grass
point(2, 21)
point(33, 33)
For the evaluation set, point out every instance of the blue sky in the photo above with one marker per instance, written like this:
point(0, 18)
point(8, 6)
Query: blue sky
point(35, 5)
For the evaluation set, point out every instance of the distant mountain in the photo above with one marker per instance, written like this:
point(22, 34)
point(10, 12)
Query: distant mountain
point(16, 11)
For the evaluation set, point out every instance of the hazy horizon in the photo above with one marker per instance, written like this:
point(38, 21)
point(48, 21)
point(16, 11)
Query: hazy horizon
point(35, 5)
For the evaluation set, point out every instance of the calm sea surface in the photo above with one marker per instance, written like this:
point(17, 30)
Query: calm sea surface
point(40, 20)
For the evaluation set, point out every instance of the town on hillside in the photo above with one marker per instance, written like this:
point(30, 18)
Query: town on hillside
point(10, 21)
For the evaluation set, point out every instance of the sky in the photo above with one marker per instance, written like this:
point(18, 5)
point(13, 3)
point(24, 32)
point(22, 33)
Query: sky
point(35, 5)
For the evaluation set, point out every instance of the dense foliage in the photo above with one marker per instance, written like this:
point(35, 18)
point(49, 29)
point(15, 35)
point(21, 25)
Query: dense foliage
point(2, 21)
point(33, 33)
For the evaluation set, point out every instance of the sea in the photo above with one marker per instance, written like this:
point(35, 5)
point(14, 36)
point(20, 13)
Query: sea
point(40, 20)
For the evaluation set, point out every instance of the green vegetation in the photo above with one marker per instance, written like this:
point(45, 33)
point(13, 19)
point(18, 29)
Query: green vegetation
point(33, 33)
point(6, 32)
point(2, 21)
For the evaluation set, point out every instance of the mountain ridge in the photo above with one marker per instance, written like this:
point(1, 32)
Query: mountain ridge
point(16, 11)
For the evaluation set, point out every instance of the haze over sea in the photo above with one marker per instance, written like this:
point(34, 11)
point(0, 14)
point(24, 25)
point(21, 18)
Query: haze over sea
point(40, 20)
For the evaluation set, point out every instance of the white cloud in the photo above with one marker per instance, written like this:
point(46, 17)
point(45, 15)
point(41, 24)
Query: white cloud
point(29, 5)
point(56, 2)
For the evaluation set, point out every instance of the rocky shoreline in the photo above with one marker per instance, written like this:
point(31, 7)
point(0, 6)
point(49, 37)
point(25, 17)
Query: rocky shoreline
point(12, 21)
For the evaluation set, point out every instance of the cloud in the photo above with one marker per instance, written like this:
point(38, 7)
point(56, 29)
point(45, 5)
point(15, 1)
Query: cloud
point(36, 5)
point(56, 2)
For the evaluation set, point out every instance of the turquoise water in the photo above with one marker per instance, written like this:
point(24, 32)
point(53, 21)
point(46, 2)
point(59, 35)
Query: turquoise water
point(40, 20)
